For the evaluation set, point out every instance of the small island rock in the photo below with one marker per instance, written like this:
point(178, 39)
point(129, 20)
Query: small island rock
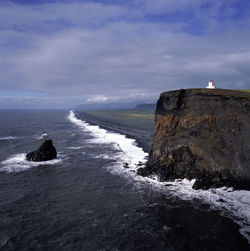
point(45, 152)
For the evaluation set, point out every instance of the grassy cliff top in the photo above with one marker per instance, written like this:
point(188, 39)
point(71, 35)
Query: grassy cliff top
point(212, 92)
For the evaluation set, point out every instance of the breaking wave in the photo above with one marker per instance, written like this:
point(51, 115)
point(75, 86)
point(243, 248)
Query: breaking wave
point(130, 152)
point(233, 204)
point(41, 136)
point(18, 163)
point(8, 138)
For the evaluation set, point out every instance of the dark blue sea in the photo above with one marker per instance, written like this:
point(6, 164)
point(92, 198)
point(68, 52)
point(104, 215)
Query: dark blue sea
point(86, 199)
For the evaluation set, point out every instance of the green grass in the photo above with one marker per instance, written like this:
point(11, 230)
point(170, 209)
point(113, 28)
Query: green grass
point(247, 90)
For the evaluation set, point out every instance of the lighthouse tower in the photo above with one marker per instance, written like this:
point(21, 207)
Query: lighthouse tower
point(211, 85)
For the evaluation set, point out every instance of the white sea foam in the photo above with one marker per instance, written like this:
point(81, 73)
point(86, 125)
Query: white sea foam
point(41, 136)
point(18, 162)
point(76, 147)
point(234, 204)
point(8, 138)
point(106, 156)
point(132, 154)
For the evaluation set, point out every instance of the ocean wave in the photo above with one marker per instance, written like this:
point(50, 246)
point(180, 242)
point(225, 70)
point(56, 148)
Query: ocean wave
point(132, 154)
point(18, 163)
point(233, 204)
point(8, 138)
point(75, 147)
point(41, 136)
point(106, 156)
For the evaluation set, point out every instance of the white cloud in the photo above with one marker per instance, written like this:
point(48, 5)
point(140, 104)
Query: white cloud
point(141, 97)
point(99, 99)
point(57, 14)
point(104, 57)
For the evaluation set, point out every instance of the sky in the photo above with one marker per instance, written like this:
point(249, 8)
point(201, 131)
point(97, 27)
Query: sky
point(59, 54)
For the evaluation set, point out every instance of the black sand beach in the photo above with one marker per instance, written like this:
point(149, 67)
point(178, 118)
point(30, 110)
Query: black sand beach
point(200, 227)
point(138, 128)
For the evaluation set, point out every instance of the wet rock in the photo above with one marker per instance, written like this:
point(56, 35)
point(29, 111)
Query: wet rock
point(45, 152)
point(125, 165)
point(140, 164)
point(143, 171)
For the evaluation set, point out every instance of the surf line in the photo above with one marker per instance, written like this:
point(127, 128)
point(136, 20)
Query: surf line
point(133, 153)
point(236, 203)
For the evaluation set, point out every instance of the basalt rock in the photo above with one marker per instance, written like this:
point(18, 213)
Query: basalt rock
point(202, 134)
point(45, 152)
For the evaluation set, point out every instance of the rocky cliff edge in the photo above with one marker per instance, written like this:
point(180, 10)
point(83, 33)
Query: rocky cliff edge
point(202, 134)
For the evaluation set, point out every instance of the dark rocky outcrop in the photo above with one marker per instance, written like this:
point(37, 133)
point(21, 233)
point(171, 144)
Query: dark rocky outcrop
point(202, 134)
point(46, 151)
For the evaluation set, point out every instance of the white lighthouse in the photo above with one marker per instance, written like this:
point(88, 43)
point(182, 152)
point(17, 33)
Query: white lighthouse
point(211, 85)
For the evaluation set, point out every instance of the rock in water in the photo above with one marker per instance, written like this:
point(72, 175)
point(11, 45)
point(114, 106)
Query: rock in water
point(202, 134)
point(46, 151)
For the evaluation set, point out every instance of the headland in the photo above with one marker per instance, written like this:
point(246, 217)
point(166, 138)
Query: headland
point(202, 134)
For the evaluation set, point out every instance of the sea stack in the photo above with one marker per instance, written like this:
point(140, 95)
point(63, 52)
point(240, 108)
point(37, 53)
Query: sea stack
point(45, 152)
point(202, 134)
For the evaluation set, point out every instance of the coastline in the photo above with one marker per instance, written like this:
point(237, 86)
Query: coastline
point(143, 137)
point(227, 202)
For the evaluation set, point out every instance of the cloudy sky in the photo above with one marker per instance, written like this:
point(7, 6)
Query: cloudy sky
point(61, 53)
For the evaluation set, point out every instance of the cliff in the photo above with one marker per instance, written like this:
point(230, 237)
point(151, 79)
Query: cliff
point(202, 134)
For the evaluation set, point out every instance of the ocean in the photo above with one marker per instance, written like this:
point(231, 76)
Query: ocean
point(89, 199)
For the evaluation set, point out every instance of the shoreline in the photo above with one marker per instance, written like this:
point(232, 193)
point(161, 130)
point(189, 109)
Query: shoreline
point(220, 199)
point(143, 137)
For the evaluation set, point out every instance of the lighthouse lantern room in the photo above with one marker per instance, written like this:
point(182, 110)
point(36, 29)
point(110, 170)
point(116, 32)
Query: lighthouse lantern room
point(211, 85)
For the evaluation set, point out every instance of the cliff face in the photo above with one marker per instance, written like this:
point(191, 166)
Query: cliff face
point(202, 134)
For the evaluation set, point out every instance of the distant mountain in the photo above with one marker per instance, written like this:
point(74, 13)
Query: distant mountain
point(145, 107)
